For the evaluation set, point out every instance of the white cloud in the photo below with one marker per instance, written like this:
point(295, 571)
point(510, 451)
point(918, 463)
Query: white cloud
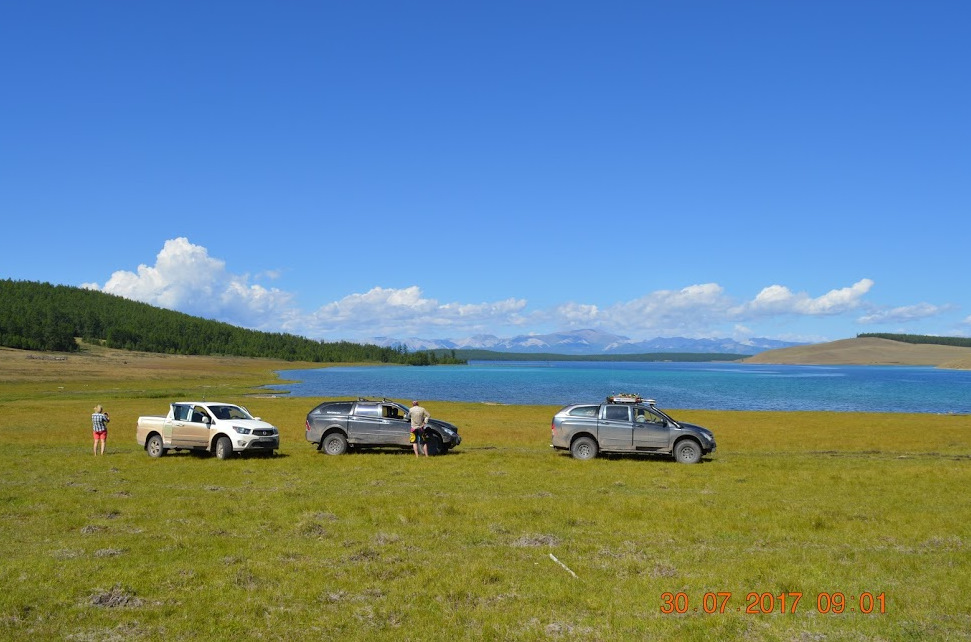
point(780, 300)
point(904, 314)
point(399, 312)
point(705, 310)
point(187, 279)
point(687, 312)
point(578, 315)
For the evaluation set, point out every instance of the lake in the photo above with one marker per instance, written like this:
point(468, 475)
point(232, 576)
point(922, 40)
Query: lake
point(714, 386)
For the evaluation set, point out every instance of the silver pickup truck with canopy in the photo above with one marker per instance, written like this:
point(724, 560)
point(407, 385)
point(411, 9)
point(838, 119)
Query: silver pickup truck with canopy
point(628, 424)
point(335, 426)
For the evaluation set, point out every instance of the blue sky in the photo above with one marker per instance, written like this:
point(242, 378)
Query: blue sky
point(348, 170)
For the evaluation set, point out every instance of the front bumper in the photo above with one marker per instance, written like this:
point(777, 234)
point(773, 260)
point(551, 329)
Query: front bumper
point(248, 444)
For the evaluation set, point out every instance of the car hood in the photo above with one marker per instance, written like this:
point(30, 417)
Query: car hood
point(246, 423)
point(438, 423)
point(695, 427)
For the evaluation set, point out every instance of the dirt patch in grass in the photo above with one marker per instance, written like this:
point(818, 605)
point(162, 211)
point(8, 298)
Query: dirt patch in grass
point(117, 597)
point(528, 541)
point(108, 552)
point(365, 555)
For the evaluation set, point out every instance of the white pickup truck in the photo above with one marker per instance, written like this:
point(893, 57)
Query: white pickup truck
point(220, 428)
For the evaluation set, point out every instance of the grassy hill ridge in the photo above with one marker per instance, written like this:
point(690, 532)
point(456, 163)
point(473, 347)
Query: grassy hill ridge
point(868, 350)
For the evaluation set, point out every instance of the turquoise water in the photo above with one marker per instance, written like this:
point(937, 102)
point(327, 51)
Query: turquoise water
point(715, 386)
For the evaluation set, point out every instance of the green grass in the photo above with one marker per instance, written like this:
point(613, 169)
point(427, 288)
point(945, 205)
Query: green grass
point(383, 545)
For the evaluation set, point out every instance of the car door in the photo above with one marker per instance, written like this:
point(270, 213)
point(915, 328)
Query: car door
point(614, 432)
point(396, 427)
point(651, 431)
point(193, 430)
point(178, 429)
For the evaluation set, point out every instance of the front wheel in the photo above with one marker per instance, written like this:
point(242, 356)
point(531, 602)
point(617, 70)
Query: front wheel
point(687, 452)
point(435, 445)
point(335, 444)
point(584, 448)
point(224, 448)
point(155, 447)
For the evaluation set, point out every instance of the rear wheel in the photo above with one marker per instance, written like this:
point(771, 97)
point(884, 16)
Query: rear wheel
point(584, 448)
point(334, 444)
point(154, 447)
point(687, 452)
point(224, 448)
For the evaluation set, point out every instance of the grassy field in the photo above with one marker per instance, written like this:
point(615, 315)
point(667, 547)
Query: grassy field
point(384, 546)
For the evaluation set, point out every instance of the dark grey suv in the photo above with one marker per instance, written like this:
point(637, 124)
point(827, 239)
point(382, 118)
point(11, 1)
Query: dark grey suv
point(336, 426)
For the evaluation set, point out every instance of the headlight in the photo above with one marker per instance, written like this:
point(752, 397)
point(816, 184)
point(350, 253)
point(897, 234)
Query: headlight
point(242, 431)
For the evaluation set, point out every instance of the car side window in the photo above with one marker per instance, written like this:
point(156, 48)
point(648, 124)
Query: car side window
point(643, 415)
point(390, 412)
point(199, 415)
point(181, 412)
point(617, 413)
point(367, 410)
point(335, 409)
point(584, 411)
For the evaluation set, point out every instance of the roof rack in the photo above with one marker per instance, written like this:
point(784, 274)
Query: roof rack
point(628, 397)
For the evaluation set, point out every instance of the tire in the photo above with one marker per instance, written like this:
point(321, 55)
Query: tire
point(584, 448)
point(687, 451)
point(435, 445)
point(334, 444)
point(224, 448)
point(154, 446)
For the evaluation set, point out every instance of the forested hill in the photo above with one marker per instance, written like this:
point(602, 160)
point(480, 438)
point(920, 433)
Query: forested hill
point(920, 339)
point(41, 316)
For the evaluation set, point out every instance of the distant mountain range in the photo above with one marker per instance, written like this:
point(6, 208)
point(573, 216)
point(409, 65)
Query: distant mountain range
point(584, 342)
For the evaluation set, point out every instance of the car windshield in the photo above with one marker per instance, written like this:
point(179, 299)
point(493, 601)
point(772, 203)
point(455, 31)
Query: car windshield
point(229, 412)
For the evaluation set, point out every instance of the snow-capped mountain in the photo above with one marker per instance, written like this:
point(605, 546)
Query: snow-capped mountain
point(587, 342)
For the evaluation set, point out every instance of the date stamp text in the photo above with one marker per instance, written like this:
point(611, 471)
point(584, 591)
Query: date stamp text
point(766, 602)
